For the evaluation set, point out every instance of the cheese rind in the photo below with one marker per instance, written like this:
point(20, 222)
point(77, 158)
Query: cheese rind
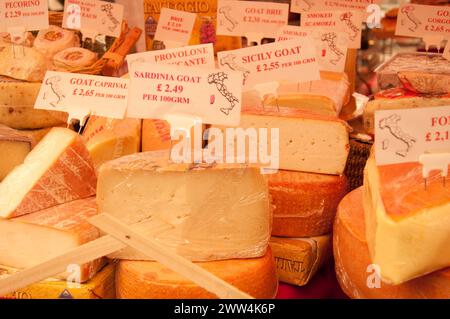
point(108, 139)
point(150, 280)
point(298, 259)
point(208, 219)
point(353, 261)
point(305, 203)
point(19, 117)
point(13, 94)
point(407, 227)
point(34, 238)
point(58, 170)
point(15, 146)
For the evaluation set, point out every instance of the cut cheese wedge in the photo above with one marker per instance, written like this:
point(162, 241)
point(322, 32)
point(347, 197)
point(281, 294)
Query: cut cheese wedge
point(13, 94)
point(27, 117)
point(150, 280)
point(407, 226)
point(215, 211)
point(58, 170)
point(307, 142)
point(108, 139)
point(354, 269)
point(14, 147)
point(155, 135)
point(298, 259)
point(305, 203)
point(34, 238)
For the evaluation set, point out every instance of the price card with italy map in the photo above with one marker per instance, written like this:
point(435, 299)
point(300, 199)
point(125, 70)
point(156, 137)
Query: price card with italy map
point(160, 90)
point(403, 135)
point(301, 6)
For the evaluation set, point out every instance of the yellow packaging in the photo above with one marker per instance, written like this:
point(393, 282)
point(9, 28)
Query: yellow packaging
point(298, 259)
point(102, 286)
point(204, 28)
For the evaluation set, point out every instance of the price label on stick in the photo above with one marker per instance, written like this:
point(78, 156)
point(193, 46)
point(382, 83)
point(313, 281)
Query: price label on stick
point(175, 27)
point(81, 95)
point(302, 6)
point(158, 91)
point(93, 17)
point(29, 15)
point(401, 136)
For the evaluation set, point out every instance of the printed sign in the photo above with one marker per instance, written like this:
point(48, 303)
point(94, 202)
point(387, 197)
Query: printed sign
point(31, 15)
point(93, 17)
point(252, 19)
point(175, 26)
point(403, 135)
point(349, 22)
point(83, 94)
point(331, 46)
point(301, 6)
point(420, 21)
point(293, 60)
point(201, 55)
point(158, 91)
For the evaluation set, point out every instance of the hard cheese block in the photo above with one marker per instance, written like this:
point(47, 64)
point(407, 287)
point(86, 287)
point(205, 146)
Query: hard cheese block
point(14, 147)
point(58, 170)
point(207, 218)
point(354, 269)
point(298, 259)
point(34, 238)
point(151, 280)
point(305, 203)
point(26, 117)
point(407, 226)
point(307, 142)
point(108, 139)
point(101, 286)
point(398, 98)
point(15, 93)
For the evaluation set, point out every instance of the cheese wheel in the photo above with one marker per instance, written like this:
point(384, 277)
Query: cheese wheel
point(305, 203)
point(55, 39)
point(352, 260)
point(74, 58)
point(151, 280)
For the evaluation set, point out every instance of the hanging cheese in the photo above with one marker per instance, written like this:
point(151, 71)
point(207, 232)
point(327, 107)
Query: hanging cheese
point(34, 238)
point(74, 58)
point(307, 142)
point(209, 218)
point(151, 280)
point(108, 139)
point(58, 170)
point(355, 272)
point(298, 259)
point(55, 39)
point(407, 225)
point(305, 203)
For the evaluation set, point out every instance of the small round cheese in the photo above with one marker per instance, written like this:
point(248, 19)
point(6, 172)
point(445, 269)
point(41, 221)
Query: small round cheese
point(55, 39)
point(74, 57)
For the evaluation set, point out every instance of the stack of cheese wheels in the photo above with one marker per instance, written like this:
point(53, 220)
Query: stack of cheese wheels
point(358, 277)
point(308, 186)
point(226, 227)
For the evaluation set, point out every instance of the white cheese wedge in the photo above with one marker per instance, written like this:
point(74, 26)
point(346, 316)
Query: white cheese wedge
point(58, 170)
point(215, 212)
point(407, 226)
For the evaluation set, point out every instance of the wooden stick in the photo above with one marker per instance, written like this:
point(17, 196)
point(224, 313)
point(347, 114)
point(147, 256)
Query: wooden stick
point(95, 249)
point(184, 267)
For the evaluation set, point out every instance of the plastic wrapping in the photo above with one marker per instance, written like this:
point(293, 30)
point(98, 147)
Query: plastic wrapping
point(411, 69)
point(352, 261)
point(305, 203)
point(298, 259)
point(256, 277)
point(213, 212)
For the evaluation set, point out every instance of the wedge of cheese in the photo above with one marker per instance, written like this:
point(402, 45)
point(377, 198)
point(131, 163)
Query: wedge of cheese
point(34, 238)
point(357, 275)
point(108, 139)
point(19, 117)
point(58, 170)
point(399, 98)
point(298, 259)
point(307, 142)
point(407, 226)
point(15, 93)
point(14, 146)
point(209, 219)
point(36, 135)
point(305, 203)
point(22, 62)
point(151, 280)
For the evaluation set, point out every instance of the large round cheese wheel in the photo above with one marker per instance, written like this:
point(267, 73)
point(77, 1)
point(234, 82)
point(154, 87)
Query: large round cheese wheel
point(355, 273)
point(305, 203)
point(151, 280)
